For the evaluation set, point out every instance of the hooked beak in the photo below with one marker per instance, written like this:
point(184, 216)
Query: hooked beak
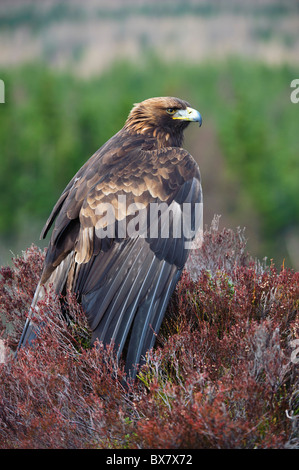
point(188, 114)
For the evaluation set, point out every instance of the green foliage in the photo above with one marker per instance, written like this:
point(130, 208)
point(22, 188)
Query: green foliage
point(52, 122)
point(260, 143)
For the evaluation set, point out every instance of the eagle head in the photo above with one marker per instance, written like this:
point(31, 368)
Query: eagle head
point(164, 118)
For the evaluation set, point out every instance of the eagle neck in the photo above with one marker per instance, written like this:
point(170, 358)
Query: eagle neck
point(168, 138)
point(159, 137)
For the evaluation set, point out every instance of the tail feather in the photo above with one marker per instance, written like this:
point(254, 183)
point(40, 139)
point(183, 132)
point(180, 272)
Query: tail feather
point(30, 330)
point(124, 301)
point(57, 281)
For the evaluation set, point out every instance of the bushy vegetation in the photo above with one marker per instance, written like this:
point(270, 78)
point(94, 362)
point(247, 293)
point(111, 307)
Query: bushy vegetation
point(52, 122)
point(222, 375)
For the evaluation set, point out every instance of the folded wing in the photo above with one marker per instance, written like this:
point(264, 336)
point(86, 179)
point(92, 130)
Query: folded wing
point(124, 282)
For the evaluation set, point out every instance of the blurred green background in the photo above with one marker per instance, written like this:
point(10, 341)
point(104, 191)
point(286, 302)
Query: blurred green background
point(72, 71)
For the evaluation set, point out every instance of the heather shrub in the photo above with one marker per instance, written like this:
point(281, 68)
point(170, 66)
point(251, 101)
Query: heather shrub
point(223, 374)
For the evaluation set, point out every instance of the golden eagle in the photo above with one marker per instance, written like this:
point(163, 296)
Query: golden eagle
point(124, 281)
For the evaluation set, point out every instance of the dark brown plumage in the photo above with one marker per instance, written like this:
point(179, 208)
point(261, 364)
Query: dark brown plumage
point(124, 283)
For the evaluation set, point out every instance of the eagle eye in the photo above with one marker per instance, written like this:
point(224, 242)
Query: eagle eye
point(171, 110)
